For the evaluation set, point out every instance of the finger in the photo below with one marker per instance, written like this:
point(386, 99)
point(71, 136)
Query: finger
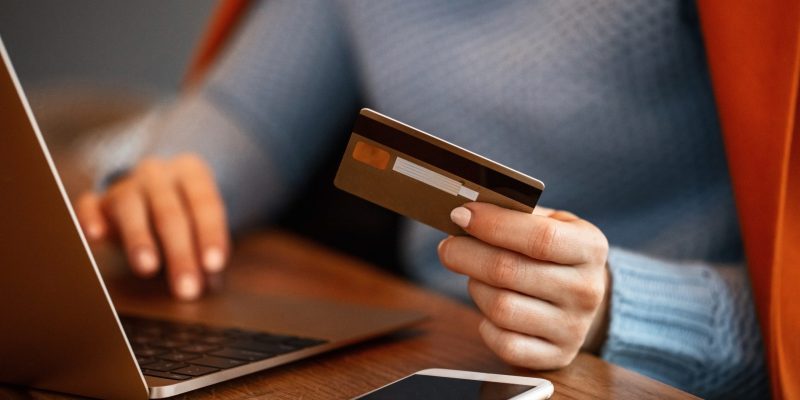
point(543, 211)
point(206, 209)
point(564, 216)
point(126, 205)
point(522, 350)
point(543, 238)
point(528, 315)
point(90, 216)
point(171, 222)
point(507, 269)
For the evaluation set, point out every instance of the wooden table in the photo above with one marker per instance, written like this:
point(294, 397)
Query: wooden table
point(278, 263)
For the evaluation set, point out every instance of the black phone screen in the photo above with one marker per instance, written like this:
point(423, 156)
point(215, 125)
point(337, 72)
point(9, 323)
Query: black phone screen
point(437, 387)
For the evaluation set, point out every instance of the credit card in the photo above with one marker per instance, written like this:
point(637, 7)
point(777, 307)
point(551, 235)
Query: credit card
point(418, 175)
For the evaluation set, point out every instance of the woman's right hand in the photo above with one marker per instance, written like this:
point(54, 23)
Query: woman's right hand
point(166, 213)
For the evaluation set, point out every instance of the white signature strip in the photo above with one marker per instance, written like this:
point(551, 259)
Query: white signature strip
point(432, 178)
point(468, 193)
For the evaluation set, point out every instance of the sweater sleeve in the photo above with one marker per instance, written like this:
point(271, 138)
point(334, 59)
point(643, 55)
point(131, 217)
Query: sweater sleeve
point(691, 325)
point(283, 89)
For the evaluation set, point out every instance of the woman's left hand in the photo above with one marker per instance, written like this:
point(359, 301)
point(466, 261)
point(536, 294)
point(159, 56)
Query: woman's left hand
point(539, 279)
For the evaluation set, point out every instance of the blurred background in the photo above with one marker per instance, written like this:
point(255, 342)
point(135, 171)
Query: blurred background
point(89, 65)
point(141, 45)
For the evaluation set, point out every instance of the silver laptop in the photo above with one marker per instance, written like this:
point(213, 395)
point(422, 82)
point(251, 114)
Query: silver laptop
point(61, 331)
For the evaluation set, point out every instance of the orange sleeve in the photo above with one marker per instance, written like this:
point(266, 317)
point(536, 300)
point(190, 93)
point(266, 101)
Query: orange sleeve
point(753, 50)
point(223, 22)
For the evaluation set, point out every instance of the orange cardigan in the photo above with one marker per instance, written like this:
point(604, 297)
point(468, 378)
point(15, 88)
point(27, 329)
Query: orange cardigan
point(753, 51)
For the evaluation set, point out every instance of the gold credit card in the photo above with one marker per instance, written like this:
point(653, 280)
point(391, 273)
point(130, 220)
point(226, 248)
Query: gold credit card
point(423, 177)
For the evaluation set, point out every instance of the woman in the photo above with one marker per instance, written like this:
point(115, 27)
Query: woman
point(609, 103)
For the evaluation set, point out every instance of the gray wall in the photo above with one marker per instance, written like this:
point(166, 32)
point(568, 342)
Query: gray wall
point(141, 44)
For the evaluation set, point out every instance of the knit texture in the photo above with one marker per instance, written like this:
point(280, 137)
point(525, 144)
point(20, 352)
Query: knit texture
point(690, 324)
point(609, 103)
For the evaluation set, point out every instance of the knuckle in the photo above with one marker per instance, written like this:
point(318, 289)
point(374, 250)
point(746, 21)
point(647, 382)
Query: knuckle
point(575, 329)
point(170, 225)
point(190, 161)
point(564, 358)
point(117, 199)
point(589, 294)
point(150, 165)
point(207, 206)
point(168, 210)
point(599, 249)
point(474, 288)
point(119, 188)
point(503, 308)
point(541, 242)
point(561, 362)
point(509, 348)
point(114, 194)
point(494, 226)
point(502, 269)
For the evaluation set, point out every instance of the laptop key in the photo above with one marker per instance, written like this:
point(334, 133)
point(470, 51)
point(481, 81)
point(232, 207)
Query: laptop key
point(152, 330)
point(147, 351)
point(164, 366)
point(167, 375)
point(169, 344)
point(177, 357)
point(214, 339)
point(190, 328)
point(176, 350)
point(240, 354)
point(199, 348)
point(217, 362)
point(141, 340)
point(195, 370)
point(145, 360)
point(182, 336)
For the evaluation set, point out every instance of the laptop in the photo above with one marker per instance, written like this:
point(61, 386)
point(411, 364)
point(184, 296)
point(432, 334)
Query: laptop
point(61, 331)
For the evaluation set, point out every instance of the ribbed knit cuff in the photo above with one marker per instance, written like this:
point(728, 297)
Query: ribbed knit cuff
point(113, 151)
point(662, 317)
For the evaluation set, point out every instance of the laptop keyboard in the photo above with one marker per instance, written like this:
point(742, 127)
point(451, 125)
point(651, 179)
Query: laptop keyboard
point(181, 351)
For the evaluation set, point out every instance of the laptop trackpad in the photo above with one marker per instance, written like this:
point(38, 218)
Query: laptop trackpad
point(323, 319)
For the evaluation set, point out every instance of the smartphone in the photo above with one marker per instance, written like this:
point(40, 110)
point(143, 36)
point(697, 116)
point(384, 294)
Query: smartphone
point(446, 384)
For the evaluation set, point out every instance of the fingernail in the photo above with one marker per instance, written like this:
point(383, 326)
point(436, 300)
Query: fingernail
point(442, 256)
point(187, 287)
point(213, 259)
point(94, 231)
point(461, 216)
point(439, 247)
point(146, 260)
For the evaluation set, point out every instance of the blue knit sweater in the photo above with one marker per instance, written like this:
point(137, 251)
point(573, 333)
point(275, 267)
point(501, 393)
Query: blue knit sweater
point(607, 102)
